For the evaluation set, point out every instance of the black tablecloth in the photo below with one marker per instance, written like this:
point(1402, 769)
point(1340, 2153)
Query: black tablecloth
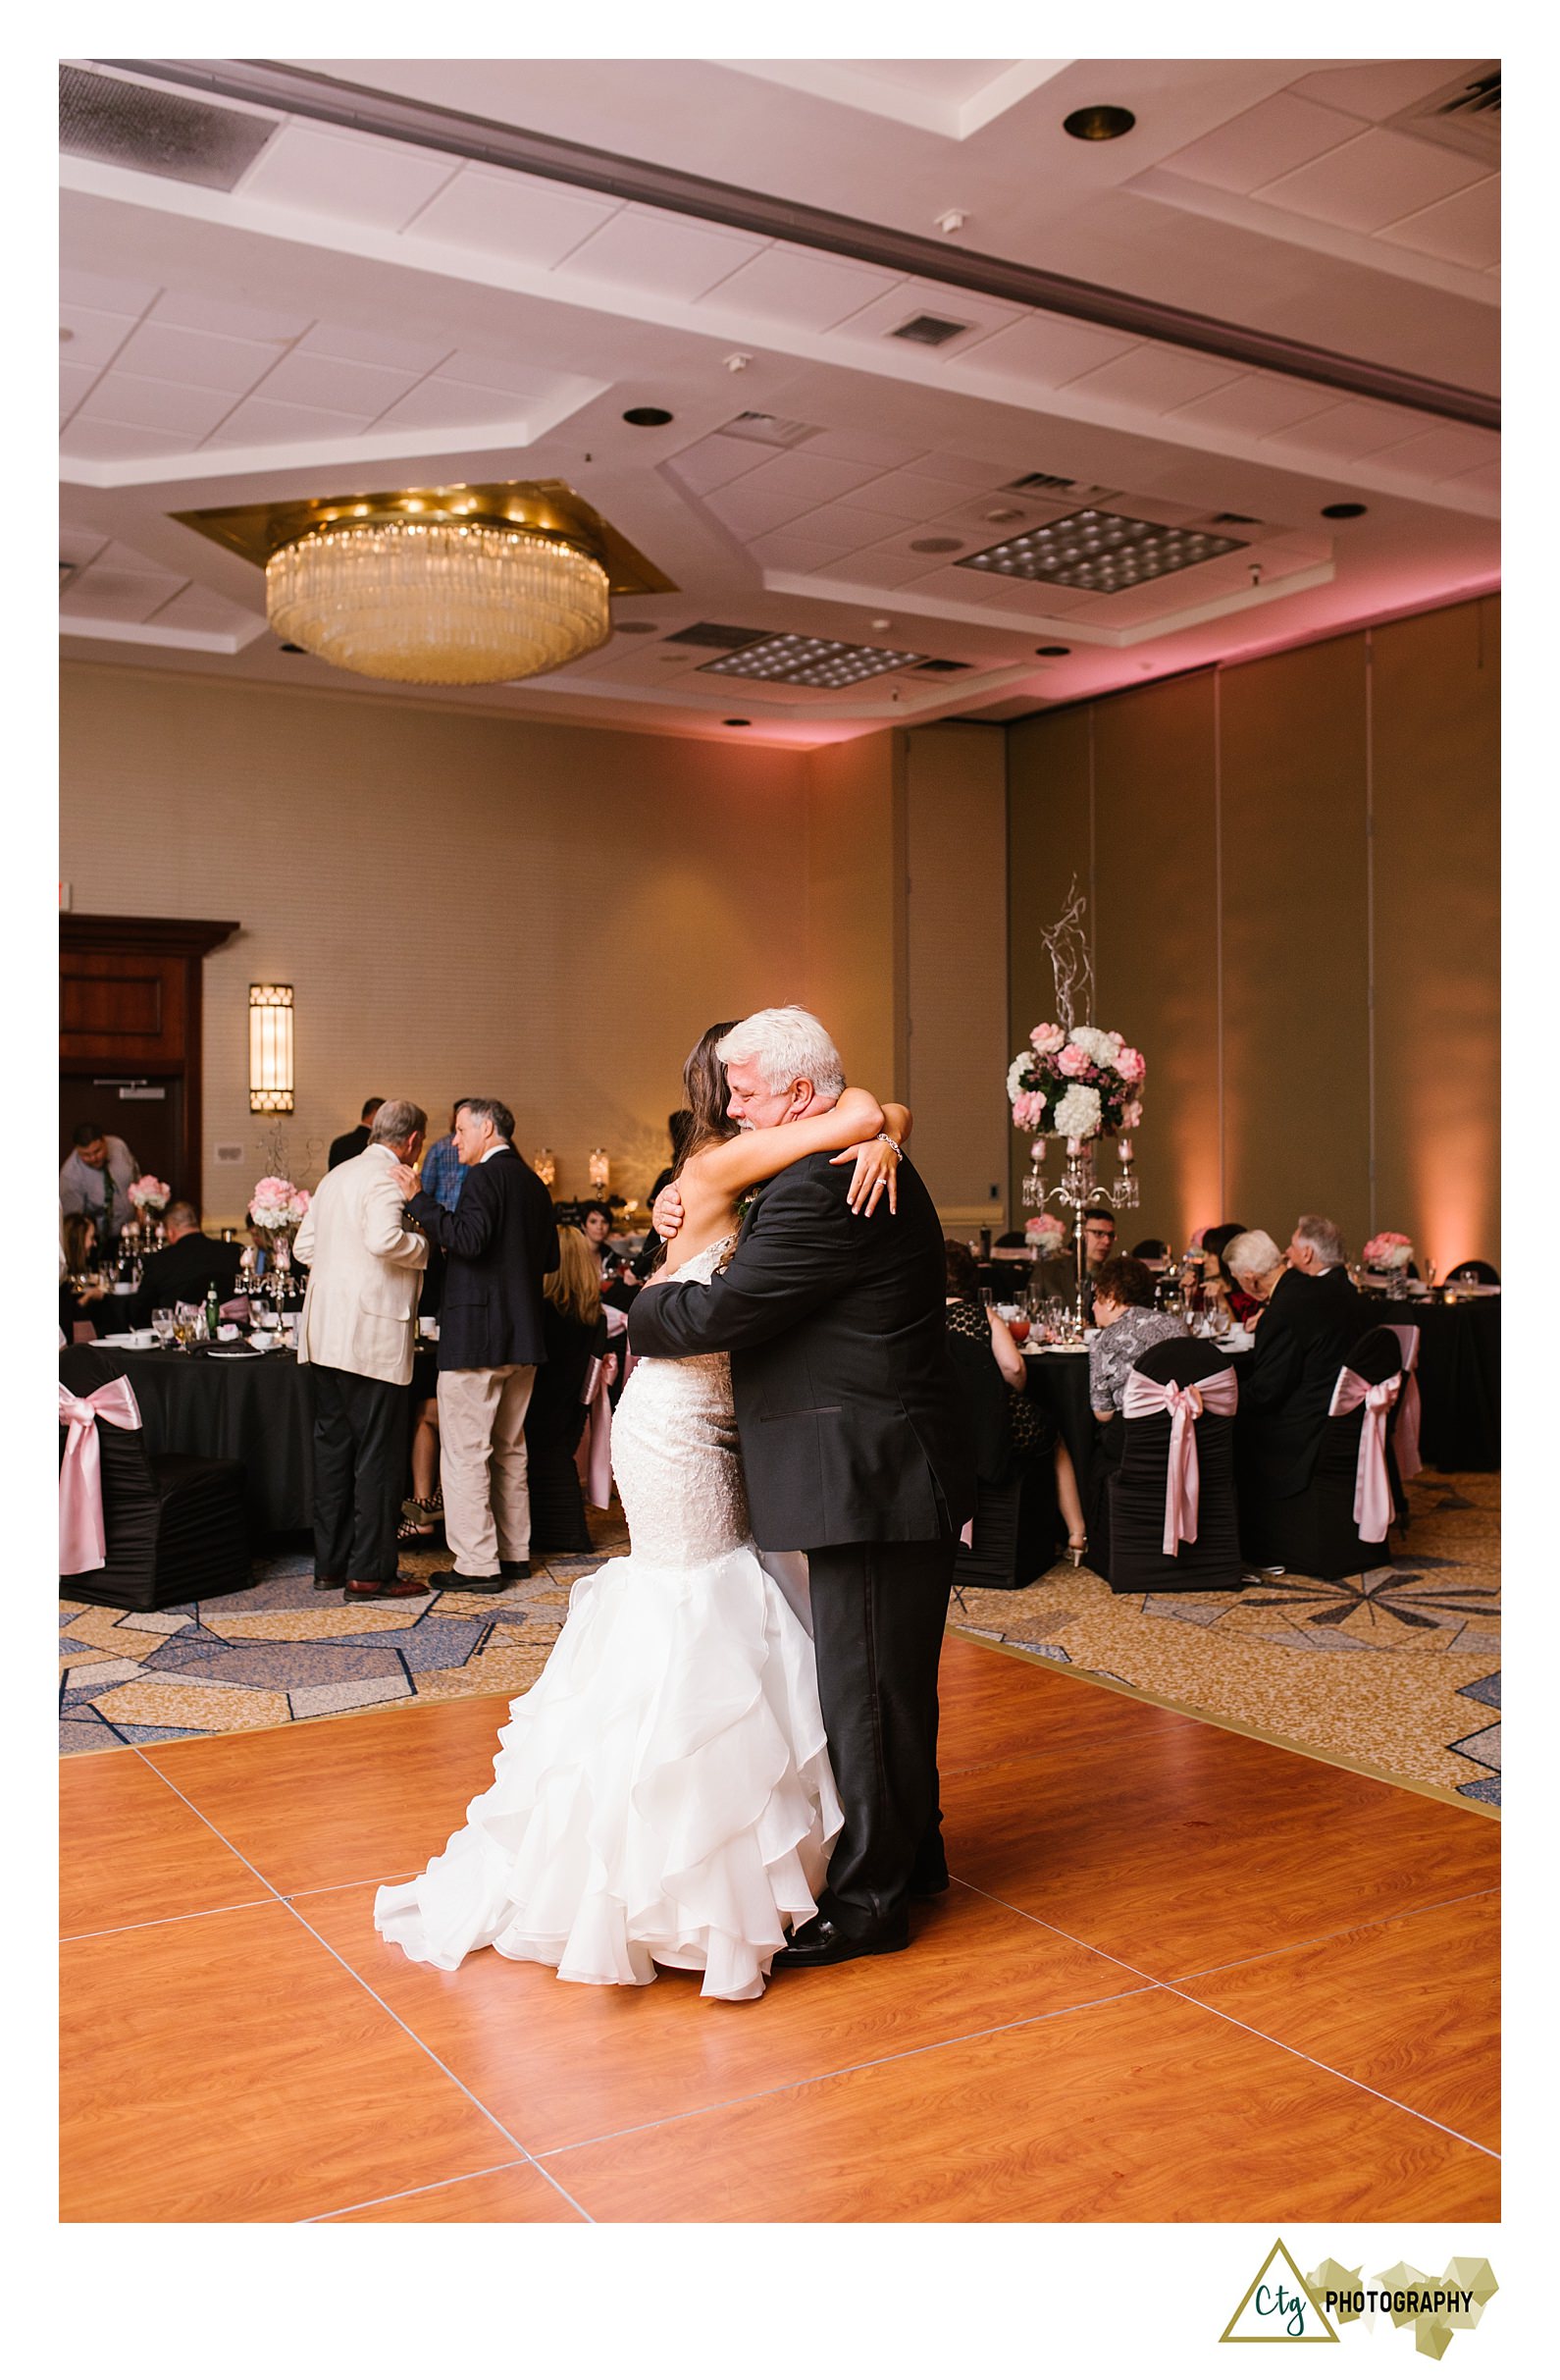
point(258, 1411)
point(1459, 1378)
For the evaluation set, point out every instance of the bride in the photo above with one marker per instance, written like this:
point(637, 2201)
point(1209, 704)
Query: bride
point(663, 1794)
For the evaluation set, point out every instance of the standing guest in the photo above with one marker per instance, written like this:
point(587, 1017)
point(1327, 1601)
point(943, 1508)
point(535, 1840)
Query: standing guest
point(186, 1269)
point(347, 1145)
point(501, 1242)
point(442, 1169)
point(365, 1270)
point(95, 1181)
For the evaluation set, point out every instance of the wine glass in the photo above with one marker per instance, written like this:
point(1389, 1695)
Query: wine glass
point(163, 1325)
point(185, 1325)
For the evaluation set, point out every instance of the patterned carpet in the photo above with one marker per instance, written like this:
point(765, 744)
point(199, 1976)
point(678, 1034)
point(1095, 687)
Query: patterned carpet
point(1398, 1672)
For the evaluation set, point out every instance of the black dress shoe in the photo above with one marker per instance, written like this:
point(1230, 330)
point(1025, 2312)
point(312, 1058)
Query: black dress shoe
point(455, 1582)
point(926, 1883)
point(328, 1586)
point(515, 1569)
point(821, 1943)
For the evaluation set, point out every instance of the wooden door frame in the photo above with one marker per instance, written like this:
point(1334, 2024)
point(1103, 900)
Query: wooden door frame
point(187, 939)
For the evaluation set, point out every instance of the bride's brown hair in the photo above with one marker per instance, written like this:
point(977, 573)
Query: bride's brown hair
point(704, 1087)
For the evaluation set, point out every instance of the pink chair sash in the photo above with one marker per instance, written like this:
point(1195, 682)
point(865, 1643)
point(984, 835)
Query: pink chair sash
point(1405, 1429)
point(594, 1458)
point(82, 1546)
point(1182, 1478)
point(1372, 1485)
point(235, 1310)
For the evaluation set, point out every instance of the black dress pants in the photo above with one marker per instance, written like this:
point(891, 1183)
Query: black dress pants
point(359, 1465)
point(878, 1612)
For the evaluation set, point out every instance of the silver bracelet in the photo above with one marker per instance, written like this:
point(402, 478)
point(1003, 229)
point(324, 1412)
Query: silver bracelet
point(893, 1143)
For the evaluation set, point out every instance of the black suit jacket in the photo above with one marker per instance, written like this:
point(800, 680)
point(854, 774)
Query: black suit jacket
point(1301, 1344)
point(347, 1144)
point(846, 1402)
point(182, 1275)
point(500, 1241)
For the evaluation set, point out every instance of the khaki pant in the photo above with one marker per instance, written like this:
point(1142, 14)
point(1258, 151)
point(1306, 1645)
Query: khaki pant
point(481, 1418)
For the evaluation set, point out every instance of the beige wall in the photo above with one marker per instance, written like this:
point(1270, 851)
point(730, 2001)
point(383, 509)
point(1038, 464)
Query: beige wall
point(461, 903)
point(1294, 863)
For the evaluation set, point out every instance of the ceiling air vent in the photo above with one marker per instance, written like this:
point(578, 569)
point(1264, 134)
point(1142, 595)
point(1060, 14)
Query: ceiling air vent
point(714, 632)
point(151, 130)
point(940, 668)
point(930, 330)
point(1233, 520)
point(768, 430)
point(1462, 115)
point(1035, 478)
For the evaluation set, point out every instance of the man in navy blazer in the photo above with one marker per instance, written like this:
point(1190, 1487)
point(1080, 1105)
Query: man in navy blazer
point(500, 1241)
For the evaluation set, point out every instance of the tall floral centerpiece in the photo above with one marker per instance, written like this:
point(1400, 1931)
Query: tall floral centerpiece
point(1077, 1083)
point(276, 1208)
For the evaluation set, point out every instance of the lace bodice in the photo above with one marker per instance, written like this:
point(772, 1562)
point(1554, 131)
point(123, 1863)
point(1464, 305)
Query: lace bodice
point(675, 1456)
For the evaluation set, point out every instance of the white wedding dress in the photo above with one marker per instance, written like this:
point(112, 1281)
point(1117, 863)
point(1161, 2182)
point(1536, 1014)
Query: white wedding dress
point(662, 1793)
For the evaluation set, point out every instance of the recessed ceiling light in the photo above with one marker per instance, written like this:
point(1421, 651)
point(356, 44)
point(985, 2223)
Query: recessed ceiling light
point(1343, 511)
point(1004, 513)
point(810, 661)
point(1099, 123)
point(289, 648)
point(1101, 553)
point(648, 417)
point(1052, 653)
point(736, 722)
point(936, 544)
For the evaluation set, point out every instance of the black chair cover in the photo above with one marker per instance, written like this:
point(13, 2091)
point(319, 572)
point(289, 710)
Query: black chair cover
point(1476, 1269)
point(1015, 1532)
point(172, 1524)
point(555, 1421)
point(1315, 1533)
point(1138, 1563)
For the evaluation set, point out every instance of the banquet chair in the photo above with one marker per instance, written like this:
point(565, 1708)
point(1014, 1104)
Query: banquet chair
point(1012, 1539)
point(1210, 1561)
point(1315, 1533)
point(172, 1524)
point(1403, 1453)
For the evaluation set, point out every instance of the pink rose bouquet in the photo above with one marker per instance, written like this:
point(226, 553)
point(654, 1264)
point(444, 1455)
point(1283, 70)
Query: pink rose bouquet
point(1044, 1234)
point(147, 1193)
point(1389, 1253)
point(277, 1205)
point(1080, 1084)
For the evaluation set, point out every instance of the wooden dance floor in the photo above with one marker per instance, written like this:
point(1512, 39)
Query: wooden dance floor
point(1183, 1976)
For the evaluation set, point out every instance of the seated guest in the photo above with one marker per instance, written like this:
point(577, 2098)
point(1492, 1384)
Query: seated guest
point(1313, 1314)
point(1127, 1322)
point(181, 1273)
point(1155, 1254)
point(1097, 1226)
point(350, 1144)
point(77, 1300)
point(441, 1171)
point(1008, 1430)
point(1209, 1284)
point(574, 1333)
point(95, 1181)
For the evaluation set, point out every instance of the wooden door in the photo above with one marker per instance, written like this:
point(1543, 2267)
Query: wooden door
point(130, 1040)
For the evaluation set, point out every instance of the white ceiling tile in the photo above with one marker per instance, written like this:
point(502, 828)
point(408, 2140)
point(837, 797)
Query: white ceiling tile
point(780, 551)
point(334, 386)
point(347, 174)
point(1441, 453)
point(1376, 88)
point(75, 381)
point(96, 338)
point(713, 462)
point(817, 478)
point(875, 567)
point(845, 526)
point(1255, 404)
point(105, 293)
point(1045, 350)
point(944, 584)
point(193, 310)
point(1156, 378)
point(103, 592)
point(1030, 596)
point(1464, 229)
point(802, 289)
point(963, 471)
point(197, 607)
point(114, 442)
point(450, 404)
point(748, 512)
point(389, 348)
point(513, 215)
point(1485, 481)
point(867, 446)
point(512, 375)
point(156, 404)
point(81, 546)
point(1342, 434)
point(1374, 179)
point(908, 496)
point(258, 422)
point(983, 317)
point(667, 256)
point(160, 352)
point(1269, 139)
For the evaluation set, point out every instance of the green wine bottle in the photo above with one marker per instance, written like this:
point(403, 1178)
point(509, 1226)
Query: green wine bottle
point(213, 1310)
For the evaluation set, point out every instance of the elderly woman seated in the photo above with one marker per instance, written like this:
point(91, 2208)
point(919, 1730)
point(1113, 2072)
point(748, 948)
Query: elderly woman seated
point(1127, 1322)
point(1011, 1432)
point(1209, 1286)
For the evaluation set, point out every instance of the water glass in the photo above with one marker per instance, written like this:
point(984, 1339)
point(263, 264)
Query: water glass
point(163, 1325)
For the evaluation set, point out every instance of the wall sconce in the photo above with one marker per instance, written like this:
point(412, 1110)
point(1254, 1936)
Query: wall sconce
point(544, 1166)
point(601, 1169)
point(271, 1049)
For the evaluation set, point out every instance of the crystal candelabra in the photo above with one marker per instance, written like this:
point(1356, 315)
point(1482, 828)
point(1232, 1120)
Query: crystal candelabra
point(601, 1169)
point(1079, 1188)
point(544, 1166)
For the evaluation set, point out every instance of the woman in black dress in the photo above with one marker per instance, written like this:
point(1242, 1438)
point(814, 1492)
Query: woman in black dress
point(1011, 1431)
point(574, 1330)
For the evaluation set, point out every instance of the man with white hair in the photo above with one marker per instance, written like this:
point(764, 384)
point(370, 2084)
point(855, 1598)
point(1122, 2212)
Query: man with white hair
point(1312, 1315)
point(854, 1449)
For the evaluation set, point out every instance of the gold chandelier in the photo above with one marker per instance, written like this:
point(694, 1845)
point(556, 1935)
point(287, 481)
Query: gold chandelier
point(440, 587)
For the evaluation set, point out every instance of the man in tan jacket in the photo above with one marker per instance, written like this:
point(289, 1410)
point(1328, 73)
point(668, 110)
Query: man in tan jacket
point(358, 1331)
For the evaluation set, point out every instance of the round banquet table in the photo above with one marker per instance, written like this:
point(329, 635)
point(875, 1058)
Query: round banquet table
point(1059, 1385)
point(1459, 1378)
point(258, 1411)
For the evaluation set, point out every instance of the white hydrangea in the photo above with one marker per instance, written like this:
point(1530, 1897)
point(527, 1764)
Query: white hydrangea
point(1078, 1111)
point(1102, 1047)
point(1016, 1072)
